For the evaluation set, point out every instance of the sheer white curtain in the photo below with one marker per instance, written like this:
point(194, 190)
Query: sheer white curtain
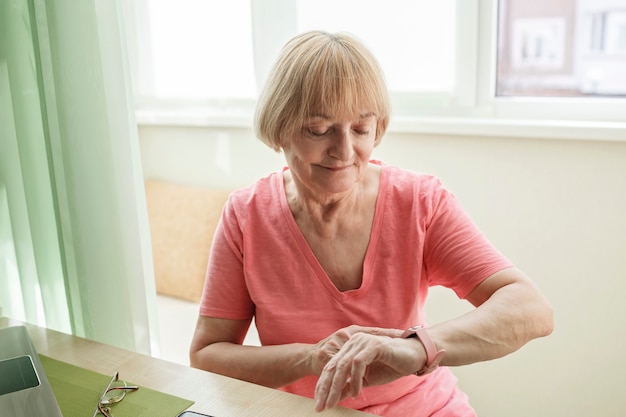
point(74, 237)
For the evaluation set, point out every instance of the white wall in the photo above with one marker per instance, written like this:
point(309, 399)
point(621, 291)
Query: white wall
point(556, 208)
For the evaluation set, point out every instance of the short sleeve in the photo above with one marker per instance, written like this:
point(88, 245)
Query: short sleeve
point(225, 294)
point(457, 254)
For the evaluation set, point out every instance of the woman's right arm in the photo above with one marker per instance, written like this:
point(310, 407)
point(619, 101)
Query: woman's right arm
point(216, 347)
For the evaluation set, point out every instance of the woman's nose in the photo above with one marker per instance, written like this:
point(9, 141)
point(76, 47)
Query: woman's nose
point(342, 147)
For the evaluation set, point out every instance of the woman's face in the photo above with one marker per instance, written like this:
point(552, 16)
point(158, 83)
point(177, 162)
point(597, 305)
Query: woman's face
point(329, 155)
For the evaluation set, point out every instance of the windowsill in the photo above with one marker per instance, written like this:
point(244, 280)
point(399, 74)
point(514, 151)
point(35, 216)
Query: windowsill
point(517, 128)
point(466, 126)
point(193, 117)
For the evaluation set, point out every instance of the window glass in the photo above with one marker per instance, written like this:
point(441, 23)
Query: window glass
point(413, 40)
point(198, 49)
point(562, 48)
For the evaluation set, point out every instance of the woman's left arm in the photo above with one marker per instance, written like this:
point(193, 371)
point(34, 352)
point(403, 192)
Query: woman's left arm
point(510, 312)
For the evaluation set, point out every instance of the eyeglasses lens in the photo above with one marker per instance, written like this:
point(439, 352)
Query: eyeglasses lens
point(114, 394)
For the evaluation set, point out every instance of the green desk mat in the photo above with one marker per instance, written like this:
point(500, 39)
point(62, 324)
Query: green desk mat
point(77, 391)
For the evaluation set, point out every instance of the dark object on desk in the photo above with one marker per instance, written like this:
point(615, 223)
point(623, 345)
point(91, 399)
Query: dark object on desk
point(17, 374)
point(193, 414)
point(24, 390)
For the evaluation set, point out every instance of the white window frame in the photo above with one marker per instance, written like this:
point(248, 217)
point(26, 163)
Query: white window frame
point(473, 109)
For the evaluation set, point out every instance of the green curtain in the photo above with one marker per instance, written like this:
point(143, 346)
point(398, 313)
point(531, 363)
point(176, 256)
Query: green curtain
point(75, 251)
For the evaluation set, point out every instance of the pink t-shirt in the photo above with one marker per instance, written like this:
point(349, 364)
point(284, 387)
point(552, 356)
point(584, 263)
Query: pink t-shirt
point(261, 266)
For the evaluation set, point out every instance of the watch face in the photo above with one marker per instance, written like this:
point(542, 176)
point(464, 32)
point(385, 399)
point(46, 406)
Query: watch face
point(410, 332)
point(405, 334)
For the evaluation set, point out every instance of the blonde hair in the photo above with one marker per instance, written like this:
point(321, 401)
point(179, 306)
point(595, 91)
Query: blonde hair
point(318, 71)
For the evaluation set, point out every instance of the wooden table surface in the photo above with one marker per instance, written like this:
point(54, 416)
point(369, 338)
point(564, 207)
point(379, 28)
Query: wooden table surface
point(213, 394)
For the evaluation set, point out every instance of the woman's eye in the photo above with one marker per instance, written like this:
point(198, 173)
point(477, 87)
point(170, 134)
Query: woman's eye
point(323, 131)
point(318, 132)
point(361, 132)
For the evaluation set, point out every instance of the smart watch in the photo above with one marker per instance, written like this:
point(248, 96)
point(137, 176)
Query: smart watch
point(433, 356)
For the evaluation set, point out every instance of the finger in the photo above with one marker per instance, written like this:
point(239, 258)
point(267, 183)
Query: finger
point(350, 331)
point(339, 382)
point(359, 365)
point(378, 331)
point(333, 384)
point(323, 386)
point(345, 393)
point(352, 366)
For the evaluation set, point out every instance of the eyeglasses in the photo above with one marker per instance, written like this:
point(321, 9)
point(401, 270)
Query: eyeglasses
point(113, 393)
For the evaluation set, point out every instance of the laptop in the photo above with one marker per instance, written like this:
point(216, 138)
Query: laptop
point(24, 387)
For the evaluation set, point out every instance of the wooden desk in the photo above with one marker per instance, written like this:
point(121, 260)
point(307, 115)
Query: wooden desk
point(213, 394)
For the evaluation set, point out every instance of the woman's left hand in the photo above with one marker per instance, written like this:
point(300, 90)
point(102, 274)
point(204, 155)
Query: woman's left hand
point(364, 360)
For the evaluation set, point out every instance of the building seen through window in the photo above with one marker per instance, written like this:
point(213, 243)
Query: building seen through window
point(563, 48)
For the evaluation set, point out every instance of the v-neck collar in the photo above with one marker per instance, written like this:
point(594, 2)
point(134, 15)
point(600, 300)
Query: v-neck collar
point(310, 257)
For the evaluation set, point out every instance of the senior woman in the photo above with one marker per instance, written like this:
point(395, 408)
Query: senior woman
point(334, 254)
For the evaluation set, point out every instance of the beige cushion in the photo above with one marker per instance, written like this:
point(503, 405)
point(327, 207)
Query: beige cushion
point(182, 223)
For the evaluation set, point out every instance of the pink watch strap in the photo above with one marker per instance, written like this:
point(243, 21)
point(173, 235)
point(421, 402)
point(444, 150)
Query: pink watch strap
point(433, 356)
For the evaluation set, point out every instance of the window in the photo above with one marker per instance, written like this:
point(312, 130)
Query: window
point(414, 41)
point(473, 62)
point(562, 48)
point(421, 29)
point(195, 50)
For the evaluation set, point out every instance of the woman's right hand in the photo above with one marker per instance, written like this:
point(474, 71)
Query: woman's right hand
point(324, 350)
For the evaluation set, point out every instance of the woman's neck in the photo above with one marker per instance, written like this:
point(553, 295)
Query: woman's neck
point(327, 212)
